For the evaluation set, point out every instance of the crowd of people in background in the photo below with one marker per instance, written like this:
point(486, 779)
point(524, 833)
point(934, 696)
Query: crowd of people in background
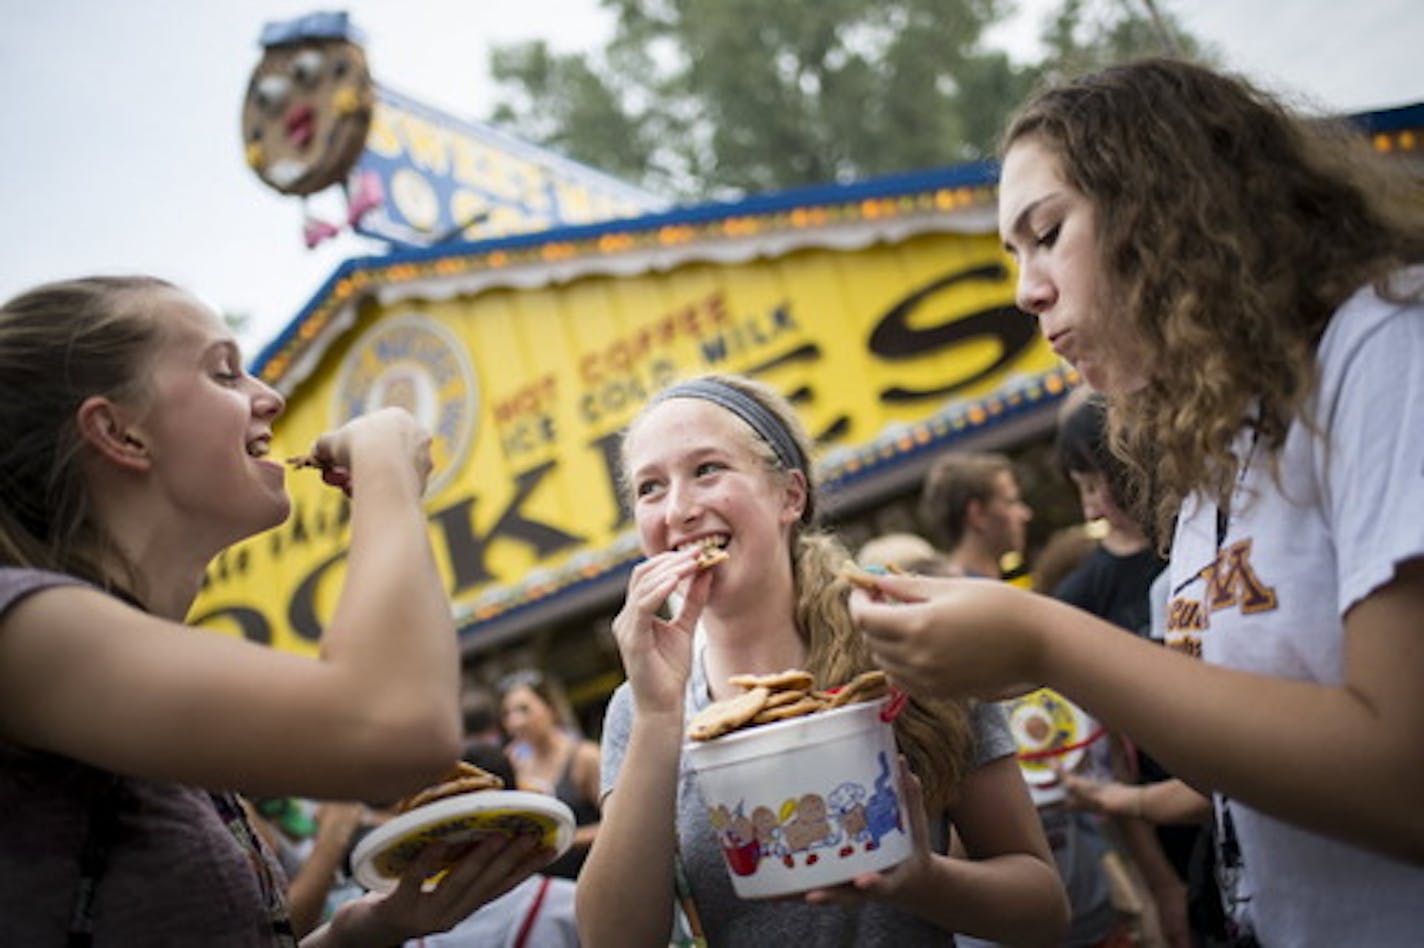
point(1242, 295)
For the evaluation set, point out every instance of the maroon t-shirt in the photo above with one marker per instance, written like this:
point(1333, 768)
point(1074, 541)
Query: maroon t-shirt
point(175, 874)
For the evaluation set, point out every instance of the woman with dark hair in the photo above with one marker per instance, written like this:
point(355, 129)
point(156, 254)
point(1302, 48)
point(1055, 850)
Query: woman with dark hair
point(1244, 287)
point(551, 756)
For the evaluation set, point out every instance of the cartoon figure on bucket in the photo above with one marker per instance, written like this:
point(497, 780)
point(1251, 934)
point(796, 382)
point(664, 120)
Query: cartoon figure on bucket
point(882, 813)
point(848, 807)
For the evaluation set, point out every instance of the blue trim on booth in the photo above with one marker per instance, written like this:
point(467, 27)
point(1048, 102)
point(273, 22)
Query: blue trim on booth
point(972, 174)
point(1390, 120)
point(977, 174)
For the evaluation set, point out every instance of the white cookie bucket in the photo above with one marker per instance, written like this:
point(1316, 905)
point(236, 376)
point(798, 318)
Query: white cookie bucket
point(809, 802)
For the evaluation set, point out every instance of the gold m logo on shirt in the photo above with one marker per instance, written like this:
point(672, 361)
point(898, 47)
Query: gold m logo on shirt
point(1232, 582)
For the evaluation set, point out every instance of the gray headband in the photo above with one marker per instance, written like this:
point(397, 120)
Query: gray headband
point(763, 421)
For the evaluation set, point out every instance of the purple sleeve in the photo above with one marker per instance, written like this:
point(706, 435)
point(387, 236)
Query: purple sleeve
point(16, 583)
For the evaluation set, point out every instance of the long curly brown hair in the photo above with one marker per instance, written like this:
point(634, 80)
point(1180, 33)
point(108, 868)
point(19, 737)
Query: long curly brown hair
point(1229, 232)
point(934, 735)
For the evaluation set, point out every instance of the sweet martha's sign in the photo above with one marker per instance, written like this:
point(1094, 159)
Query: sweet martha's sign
point(527, 368)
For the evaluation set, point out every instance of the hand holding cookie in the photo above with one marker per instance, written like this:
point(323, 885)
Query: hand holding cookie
point(657, 651)
point(388, 433)
point(954, 637)
point(871, 580)
point(331, 473)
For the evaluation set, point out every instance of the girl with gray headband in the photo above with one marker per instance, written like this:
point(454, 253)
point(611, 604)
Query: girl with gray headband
point(724, 460)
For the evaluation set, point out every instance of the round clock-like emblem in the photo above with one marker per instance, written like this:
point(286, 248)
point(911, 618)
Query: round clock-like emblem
point(413, 362)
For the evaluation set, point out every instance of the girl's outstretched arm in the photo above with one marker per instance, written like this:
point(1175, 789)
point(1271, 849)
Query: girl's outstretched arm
point(1343, 760)
point(376, 716)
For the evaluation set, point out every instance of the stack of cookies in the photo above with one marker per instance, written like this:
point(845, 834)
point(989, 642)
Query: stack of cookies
point(461, 778)
point(788, 694)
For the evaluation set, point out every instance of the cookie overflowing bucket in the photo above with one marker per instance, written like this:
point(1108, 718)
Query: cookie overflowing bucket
point(805, 802)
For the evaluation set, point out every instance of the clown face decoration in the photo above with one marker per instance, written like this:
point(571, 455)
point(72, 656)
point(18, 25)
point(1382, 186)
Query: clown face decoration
point(308, 105)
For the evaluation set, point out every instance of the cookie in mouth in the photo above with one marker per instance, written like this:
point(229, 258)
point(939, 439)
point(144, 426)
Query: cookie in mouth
point(710, 553)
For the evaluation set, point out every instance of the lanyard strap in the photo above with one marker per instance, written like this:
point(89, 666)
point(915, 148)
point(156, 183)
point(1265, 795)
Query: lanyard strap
point(230, 811)
point(683, 891)
point(533, 913)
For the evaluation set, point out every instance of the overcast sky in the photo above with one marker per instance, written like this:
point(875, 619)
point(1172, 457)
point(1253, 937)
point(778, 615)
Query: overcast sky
point(121, 149)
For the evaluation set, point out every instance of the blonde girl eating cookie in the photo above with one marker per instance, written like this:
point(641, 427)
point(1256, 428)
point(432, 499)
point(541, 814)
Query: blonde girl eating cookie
point(724, 459)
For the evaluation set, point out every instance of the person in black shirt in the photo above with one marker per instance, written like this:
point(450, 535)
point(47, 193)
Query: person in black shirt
point(1114, 582)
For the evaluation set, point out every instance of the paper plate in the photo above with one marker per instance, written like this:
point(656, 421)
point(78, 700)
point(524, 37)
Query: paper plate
point(1050, 732)
point(381, 857)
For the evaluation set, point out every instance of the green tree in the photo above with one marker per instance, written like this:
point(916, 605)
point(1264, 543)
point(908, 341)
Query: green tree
point(712, 98)
point(1084, 35)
